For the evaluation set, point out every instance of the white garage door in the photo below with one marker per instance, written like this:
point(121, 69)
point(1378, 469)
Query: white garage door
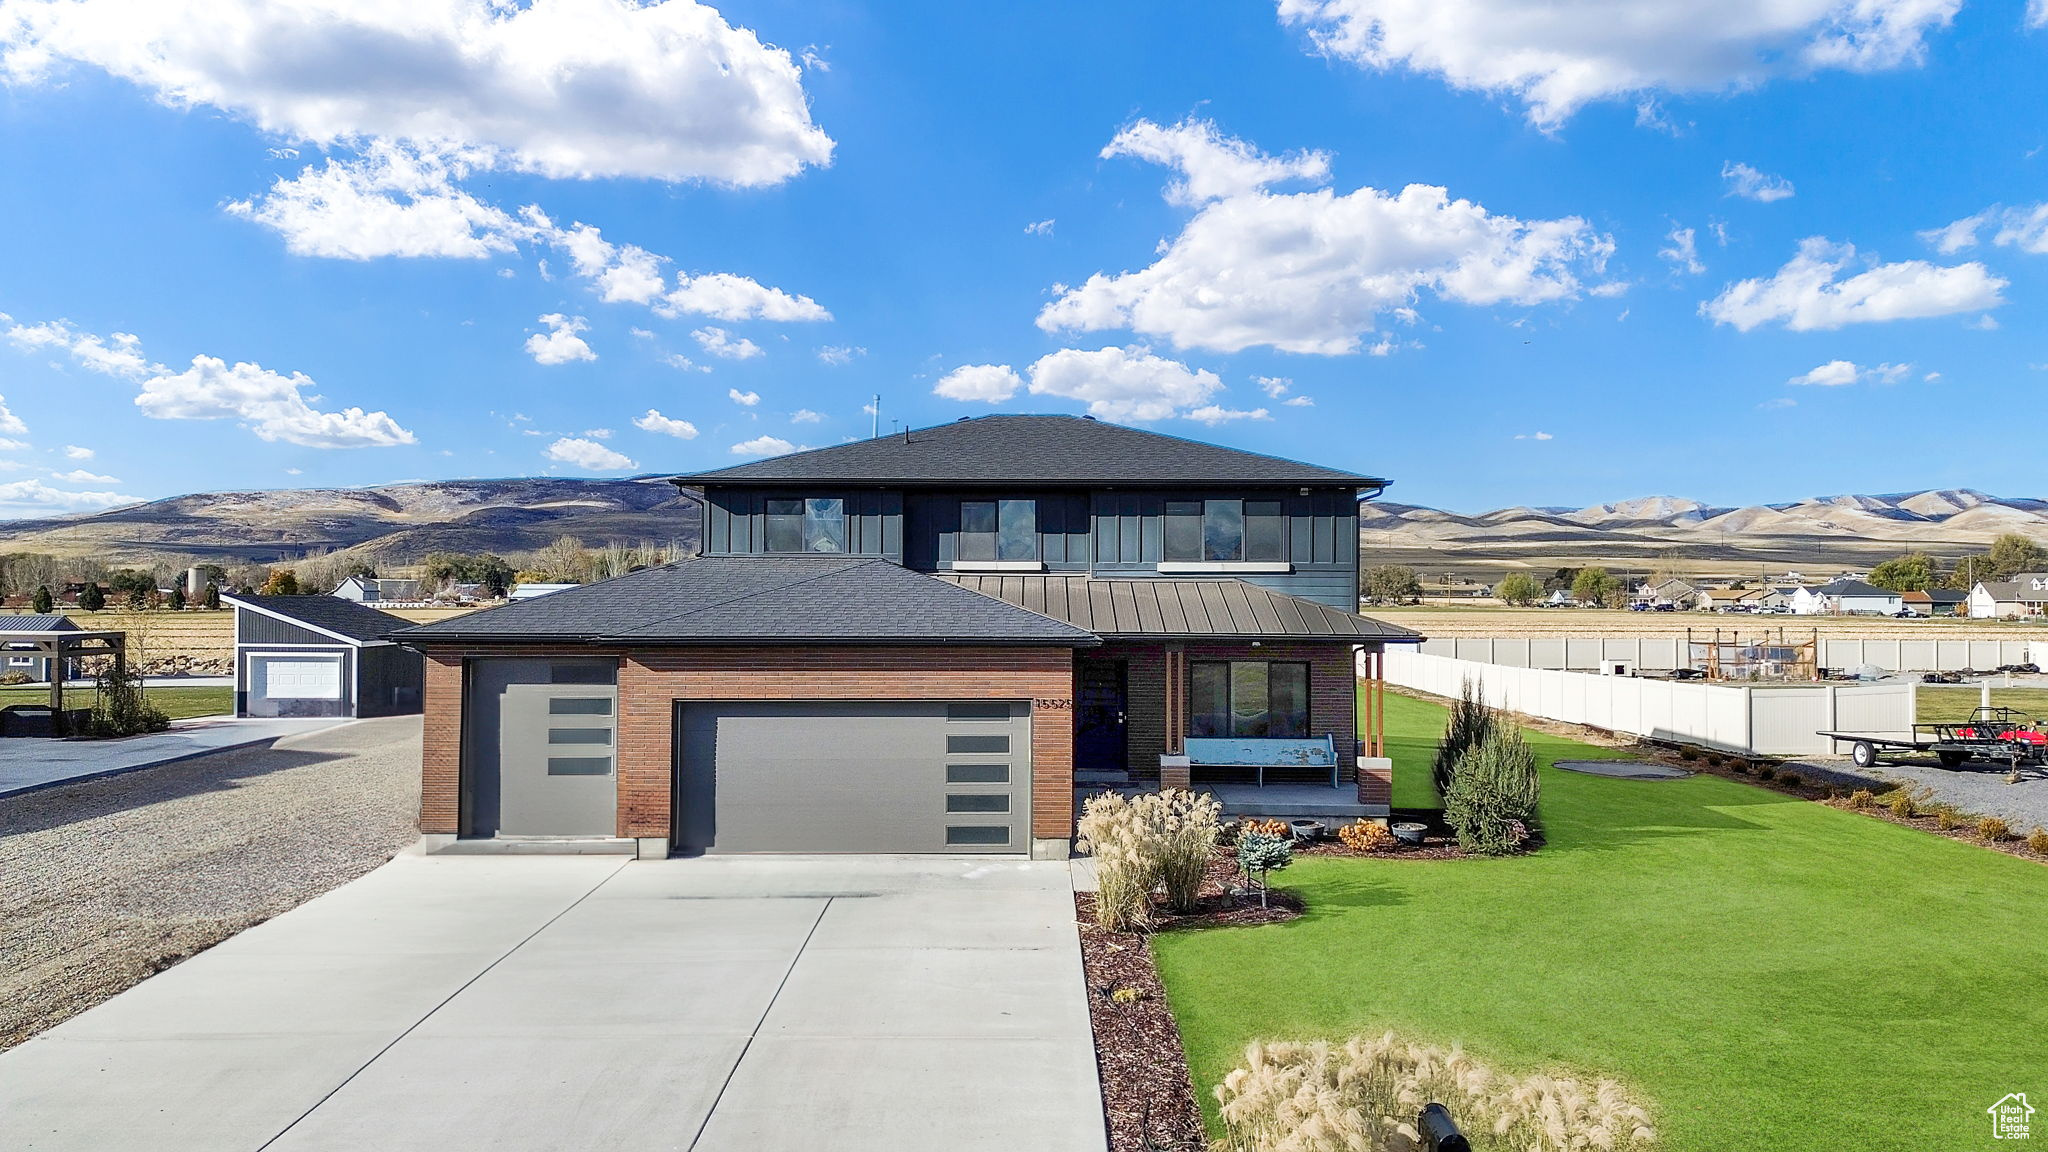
point(296, 677)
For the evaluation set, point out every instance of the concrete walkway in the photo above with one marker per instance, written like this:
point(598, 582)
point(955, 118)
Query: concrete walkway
point(28, 763)
point(513, 1003)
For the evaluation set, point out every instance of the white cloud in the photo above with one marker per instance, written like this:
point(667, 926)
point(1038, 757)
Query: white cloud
point(2037, 13)
point(589, 455)
point(1557, 57)
point(718, 342)
point(1214, 414)
point(1809, 293)
point(1534, 436)
point(598, 433)
point(1124, 383)
point(1299, 402)
point(563, 88)
point(1750, 184)
point(1275, 386)
point(1039, 228)
point(9, 422)
point(1777, 402)
point(81, 476)
point(662, 425)
point(34, 496)
point(1313, 271)
point(2024, 228)
point(1212, 166)
point(763, 446)
point(7, 445)
point(394, 201)
point(1841, 373)
point(743, 399)
point(987, 383)
point(560, 344)
point(273, 406)
point(1682, 252)
point(836, 355)
point(682, 363)
point(806, 416)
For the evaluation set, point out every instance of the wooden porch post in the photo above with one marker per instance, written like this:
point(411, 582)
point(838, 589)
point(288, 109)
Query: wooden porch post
point(1174, 770)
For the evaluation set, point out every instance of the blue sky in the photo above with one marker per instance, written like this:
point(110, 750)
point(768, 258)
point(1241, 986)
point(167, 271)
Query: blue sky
point(1503, 255)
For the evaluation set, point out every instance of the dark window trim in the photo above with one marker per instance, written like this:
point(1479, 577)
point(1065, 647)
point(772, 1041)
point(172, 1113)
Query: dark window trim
point(1308, 725)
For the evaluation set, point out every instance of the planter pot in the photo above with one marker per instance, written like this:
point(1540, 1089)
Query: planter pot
point(1410, 834)
point(1306, 831)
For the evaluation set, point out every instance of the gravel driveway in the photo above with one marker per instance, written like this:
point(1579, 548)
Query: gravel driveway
point(112, 880)
point(1979, 789)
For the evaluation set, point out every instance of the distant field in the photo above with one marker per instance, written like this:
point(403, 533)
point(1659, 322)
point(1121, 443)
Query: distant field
point(198, 635)
point(1475, 620)
point(1940, 705)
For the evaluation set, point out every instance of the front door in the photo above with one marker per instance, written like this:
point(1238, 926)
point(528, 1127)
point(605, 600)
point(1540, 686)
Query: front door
point(1099, 740)
point(541, 735)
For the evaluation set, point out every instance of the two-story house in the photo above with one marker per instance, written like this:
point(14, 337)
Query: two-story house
point(915, 643)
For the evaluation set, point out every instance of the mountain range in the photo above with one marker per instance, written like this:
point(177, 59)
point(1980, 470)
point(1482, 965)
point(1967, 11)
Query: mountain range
point(516, 515)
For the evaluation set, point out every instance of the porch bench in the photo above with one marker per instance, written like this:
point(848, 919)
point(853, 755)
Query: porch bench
point(1261, 753)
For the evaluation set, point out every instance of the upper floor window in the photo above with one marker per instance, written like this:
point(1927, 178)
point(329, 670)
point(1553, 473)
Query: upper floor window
point(815, 525)
point(998, 530)
point(1224, 530)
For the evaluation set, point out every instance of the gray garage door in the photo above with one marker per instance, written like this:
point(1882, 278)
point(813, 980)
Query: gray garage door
point(540, 738)
point(901, 776)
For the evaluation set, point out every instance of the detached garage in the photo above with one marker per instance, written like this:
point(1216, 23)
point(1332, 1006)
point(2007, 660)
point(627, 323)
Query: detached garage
point(320, 656)
point(755, 704)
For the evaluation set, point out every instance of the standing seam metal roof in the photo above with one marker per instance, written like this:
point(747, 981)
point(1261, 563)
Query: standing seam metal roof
point(1179, 607)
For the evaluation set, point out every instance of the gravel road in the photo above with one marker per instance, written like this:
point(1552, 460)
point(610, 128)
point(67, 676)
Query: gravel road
point(109, 881)
point(1980, 789)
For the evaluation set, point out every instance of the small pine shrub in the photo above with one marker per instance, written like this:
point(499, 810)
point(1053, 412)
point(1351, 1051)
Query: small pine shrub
point(1737, 765)
point(1765, 771)
point(1366, 836)
point(2037, 841)
point(1494, 793)
point(1714, 758)
point(1688, 752)
point(1862, 798)
point(1992, 830)
point(1790, 779)
point(1263, 854)
point(1471, 721)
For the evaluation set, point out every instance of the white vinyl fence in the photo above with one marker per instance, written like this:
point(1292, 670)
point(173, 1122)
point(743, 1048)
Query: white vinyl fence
point(1664, 653)
point(1778, 720)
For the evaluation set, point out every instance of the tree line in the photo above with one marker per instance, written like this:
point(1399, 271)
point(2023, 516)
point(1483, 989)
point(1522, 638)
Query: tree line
point(2008, 556)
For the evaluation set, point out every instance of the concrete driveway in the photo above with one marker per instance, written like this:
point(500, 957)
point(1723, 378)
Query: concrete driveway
point(512, 1003)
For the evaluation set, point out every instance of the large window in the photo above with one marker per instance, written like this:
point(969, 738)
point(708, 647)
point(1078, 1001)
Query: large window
point(998, 530)
point(1224, 530)
point(817, 525)
point(1248, 698)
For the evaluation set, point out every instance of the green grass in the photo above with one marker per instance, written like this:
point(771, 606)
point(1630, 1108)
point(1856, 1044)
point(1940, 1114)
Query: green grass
point(178, 703)
point(1766, 971)
point(1938, 704)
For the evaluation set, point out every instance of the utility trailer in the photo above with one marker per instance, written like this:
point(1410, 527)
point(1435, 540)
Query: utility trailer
point(2001, 735)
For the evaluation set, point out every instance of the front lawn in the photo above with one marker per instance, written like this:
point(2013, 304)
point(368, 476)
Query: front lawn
point(1765, 970)
point(177, 703)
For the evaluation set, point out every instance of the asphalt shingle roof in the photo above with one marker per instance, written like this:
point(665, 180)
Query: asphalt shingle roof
point(1029, 449)
point(760, 600)
point(332, 613)
point(1183, 608)
point(1846, 587)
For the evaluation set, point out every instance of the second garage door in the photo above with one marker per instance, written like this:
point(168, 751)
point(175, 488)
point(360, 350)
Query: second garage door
point(869, 776)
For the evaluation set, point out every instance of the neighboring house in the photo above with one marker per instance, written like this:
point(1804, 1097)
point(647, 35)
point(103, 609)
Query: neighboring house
point(1731, 599)
point(320, 656)
point(912, 644)
point(1559, 598)
point(1935, 602)
point(1671, 590)
point(1846, 597)
point(1997, 599)
point(1777, 597)
point(529, 591)
point(372, 590)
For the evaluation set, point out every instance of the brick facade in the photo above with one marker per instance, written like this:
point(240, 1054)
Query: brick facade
point(652, 680)
point(1332, 689)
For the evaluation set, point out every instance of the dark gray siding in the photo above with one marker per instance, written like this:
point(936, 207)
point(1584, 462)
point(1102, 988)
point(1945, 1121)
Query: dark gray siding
point(256, 628)
point(1321, 536)
point(933, 525)
point(388, 680)
point(737, 523)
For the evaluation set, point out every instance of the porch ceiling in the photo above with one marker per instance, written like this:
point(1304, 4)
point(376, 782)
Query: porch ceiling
point(1209, 609)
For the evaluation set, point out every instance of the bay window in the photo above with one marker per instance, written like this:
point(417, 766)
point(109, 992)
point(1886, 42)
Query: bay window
point(806, 525)
point(1222, 531)
point(1248, 698)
